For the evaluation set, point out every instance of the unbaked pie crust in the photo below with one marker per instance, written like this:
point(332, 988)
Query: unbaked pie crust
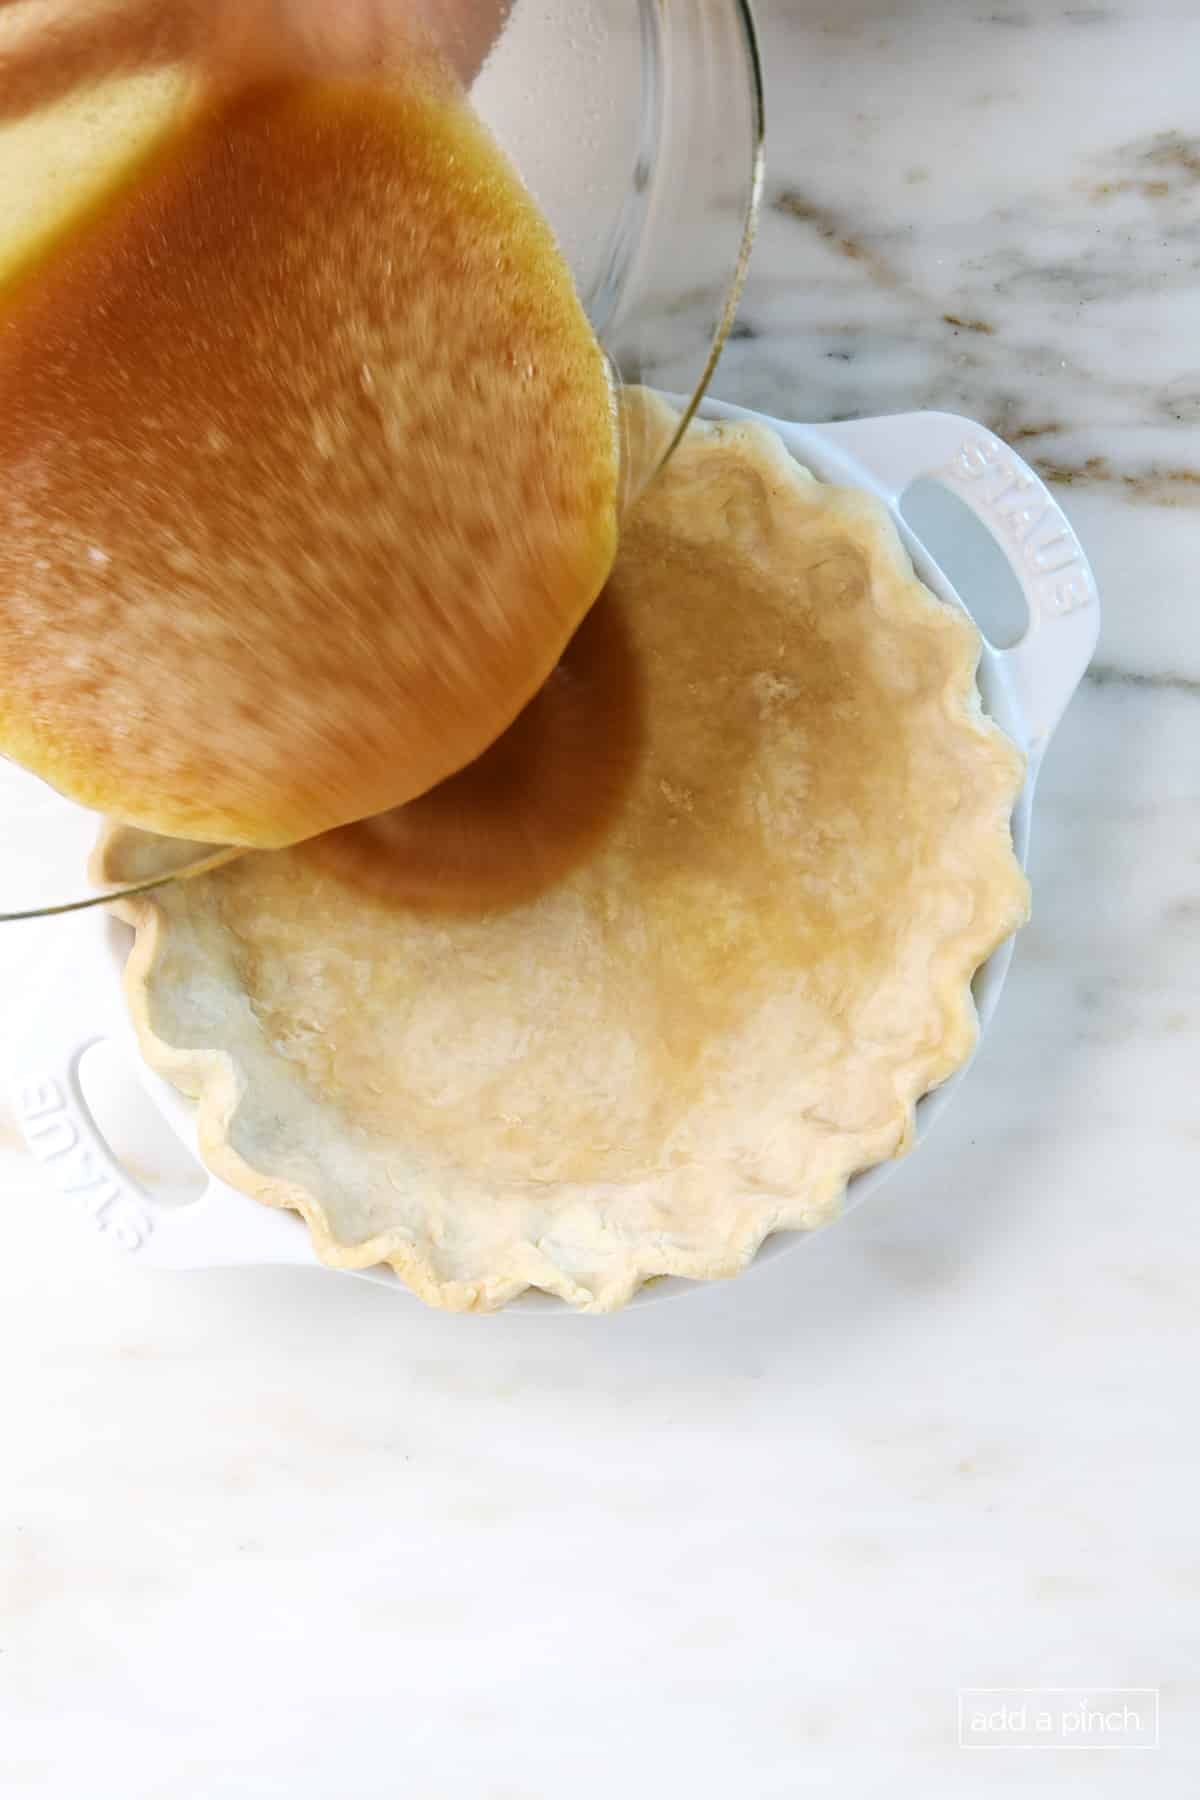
point(693, 1035)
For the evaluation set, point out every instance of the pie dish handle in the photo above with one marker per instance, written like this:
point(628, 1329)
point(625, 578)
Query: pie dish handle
point(79, 1007)
point(1024, 520)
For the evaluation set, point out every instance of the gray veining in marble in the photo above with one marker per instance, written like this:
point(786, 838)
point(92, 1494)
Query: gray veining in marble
point(271, 1534)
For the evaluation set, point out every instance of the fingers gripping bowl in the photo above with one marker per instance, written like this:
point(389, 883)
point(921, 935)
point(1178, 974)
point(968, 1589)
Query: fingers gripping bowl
point(636, 129)
point(909, 1047)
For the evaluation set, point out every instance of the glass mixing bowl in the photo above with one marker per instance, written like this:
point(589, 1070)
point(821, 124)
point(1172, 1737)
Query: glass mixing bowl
point(637, 126)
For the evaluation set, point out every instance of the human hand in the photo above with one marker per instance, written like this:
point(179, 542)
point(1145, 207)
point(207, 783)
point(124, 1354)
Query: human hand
point(68, 43)
point(357, 36)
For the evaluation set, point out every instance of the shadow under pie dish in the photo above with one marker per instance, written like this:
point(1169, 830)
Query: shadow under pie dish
point(635, 1048)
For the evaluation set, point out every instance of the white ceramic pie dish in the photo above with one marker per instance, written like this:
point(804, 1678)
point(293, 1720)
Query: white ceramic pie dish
point(922, 466)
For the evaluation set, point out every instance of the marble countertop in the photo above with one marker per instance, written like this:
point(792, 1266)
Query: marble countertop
point(276, 1534)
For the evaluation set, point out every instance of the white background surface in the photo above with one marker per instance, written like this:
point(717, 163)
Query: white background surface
point(285, 1534)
